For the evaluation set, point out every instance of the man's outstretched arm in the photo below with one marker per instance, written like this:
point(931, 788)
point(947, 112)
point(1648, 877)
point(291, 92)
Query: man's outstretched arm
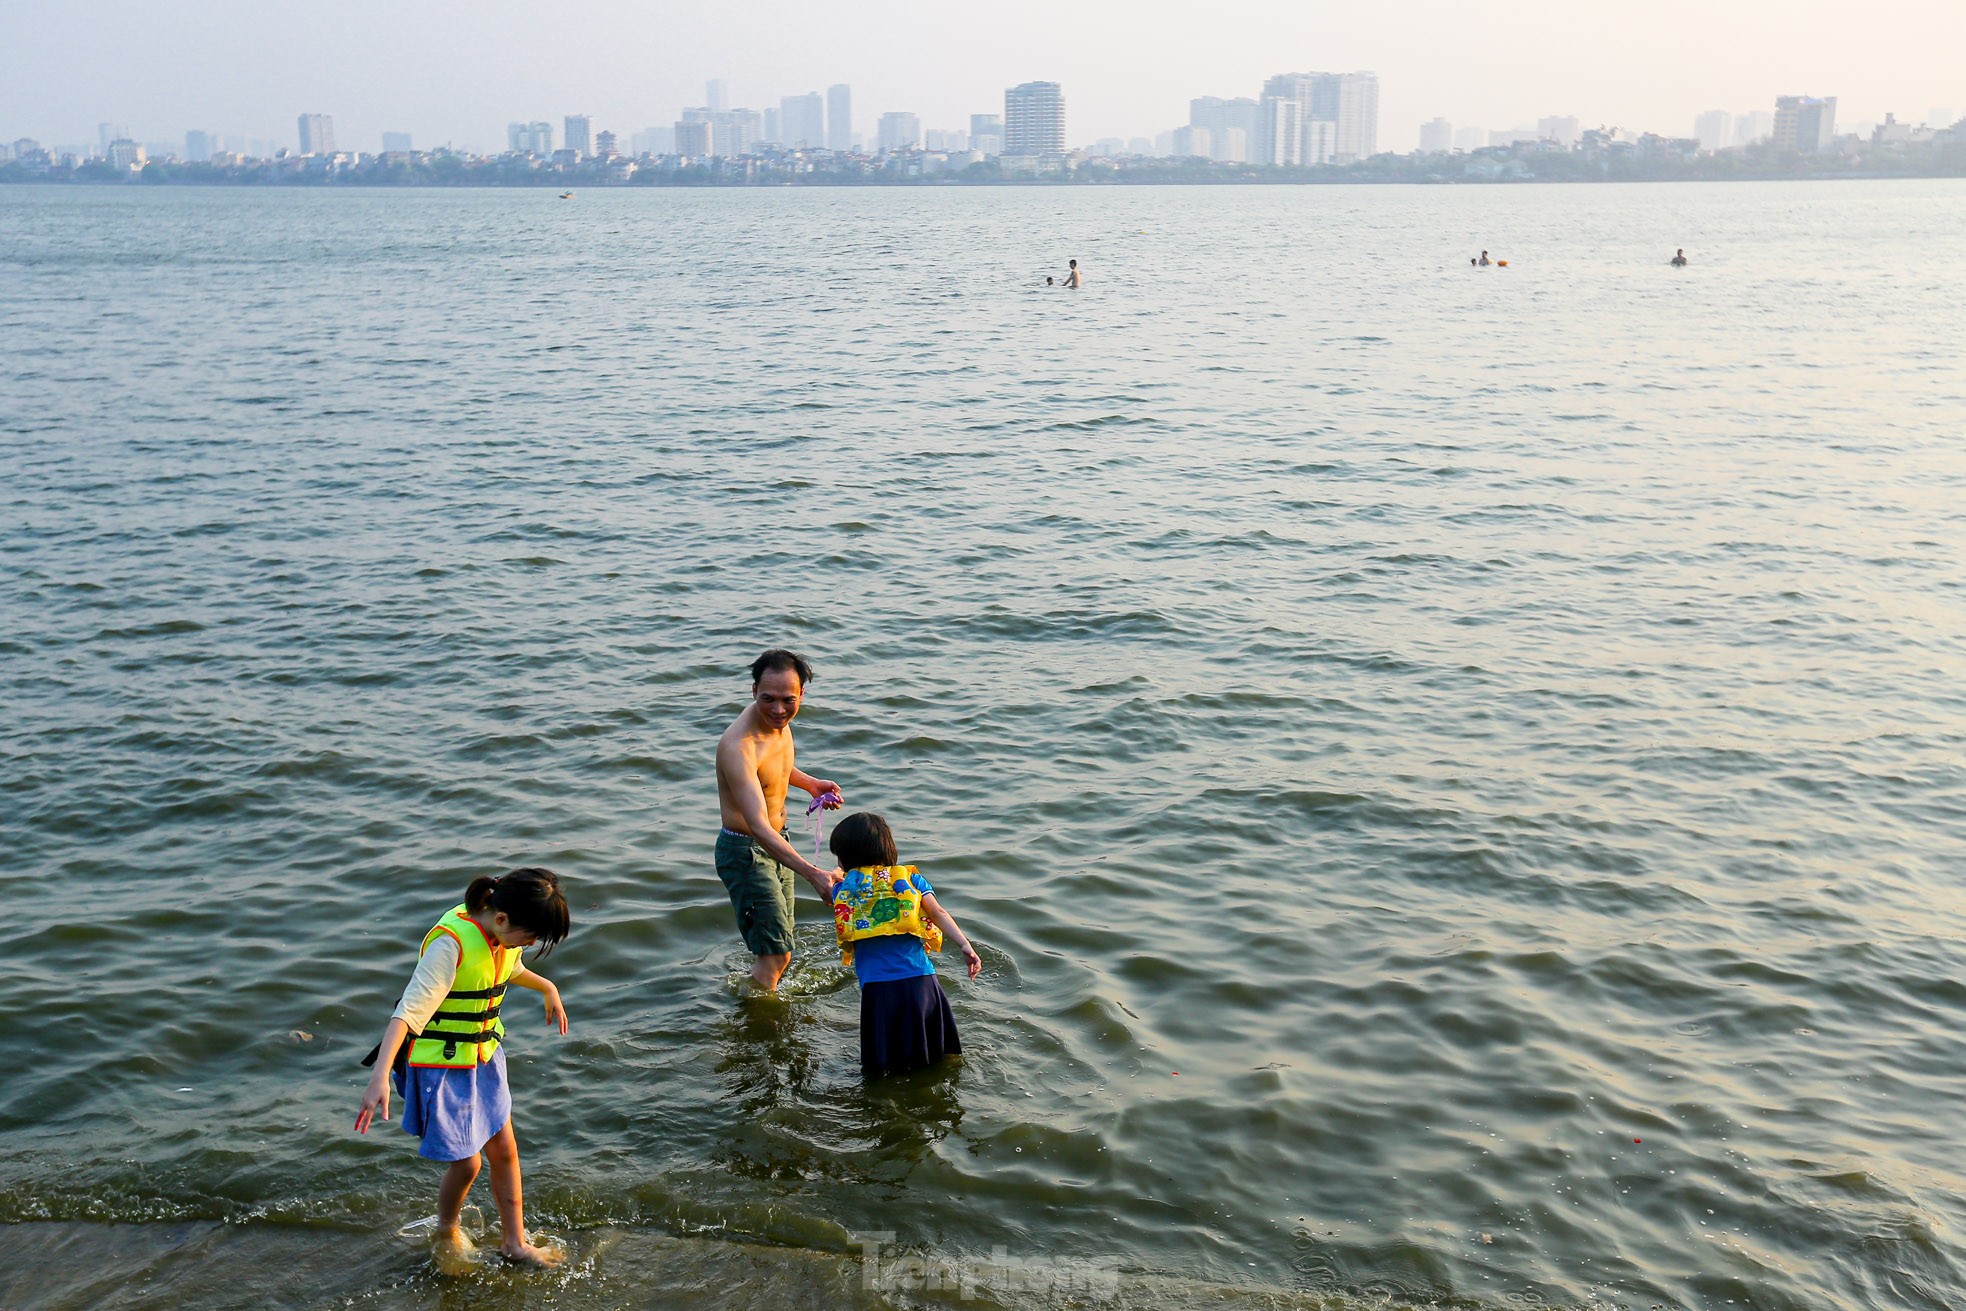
point(740, 774)
point(818, 787)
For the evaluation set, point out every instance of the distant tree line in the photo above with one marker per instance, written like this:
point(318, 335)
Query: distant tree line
point(1651, 160)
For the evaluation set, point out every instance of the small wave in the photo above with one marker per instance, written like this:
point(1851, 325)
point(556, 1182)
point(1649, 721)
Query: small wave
point(163, 628)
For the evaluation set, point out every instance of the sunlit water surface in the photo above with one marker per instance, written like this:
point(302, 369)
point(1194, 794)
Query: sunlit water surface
point(1456, 775)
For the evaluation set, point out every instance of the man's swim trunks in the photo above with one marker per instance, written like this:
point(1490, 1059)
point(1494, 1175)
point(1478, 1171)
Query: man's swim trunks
point(760, 892)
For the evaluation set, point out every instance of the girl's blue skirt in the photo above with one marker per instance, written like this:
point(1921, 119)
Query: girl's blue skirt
point(455, 1112)
point(905, 1024)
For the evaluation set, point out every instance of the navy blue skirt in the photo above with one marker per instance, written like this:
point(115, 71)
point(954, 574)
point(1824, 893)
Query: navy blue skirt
point(905, 1024)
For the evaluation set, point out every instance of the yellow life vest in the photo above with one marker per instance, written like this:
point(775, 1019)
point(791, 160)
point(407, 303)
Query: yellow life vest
point(880, 901)
point(465, 1030)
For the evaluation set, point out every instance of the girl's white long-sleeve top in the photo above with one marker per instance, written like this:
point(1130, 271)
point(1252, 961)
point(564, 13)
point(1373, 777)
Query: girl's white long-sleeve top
point(436, 971)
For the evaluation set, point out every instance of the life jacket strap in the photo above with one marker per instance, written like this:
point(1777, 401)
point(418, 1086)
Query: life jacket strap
point(477, 994)
point(452, 1041)
point(462, 1017)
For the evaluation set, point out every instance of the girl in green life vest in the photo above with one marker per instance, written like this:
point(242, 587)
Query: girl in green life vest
point(443, 1048)
point(887, 920)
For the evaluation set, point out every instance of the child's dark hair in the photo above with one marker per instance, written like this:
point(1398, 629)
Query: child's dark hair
point(863, 840)
point(530, 898)
point(778, 658)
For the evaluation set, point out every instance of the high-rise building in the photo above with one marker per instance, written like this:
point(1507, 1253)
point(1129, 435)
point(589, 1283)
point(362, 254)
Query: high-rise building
point(530, 139)
point(716, 95)
point(1564, 129)
point(1805, 125)
point(1190, 142)
point(899, 131)
point(696, 137)
point(734, 131)
point(1355, 135)
point(1715, 129)
point(1749, 128)
point(739, 131)
point(198, 147)
point(124, 153)
point(839, 117)
point(1320, 141)
point(1437, 137)
point(580, 135)
point(396, 143)
point(986, 133)
point(1224, 118)
point(605, 147)
point(1279, 130)
point(1348, 102)
point(1034, 119)
point(802, 121)
point(316, 134)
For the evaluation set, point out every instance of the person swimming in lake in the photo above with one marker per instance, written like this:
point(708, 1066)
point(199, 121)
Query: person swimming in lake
point(443, 1050)
point(887, 920)
point(1074, 279)
point(1483, 262)
point(1679, 260)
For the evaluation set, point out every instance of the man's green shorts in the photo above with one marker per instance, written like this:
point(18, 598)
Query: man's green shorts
point(760, 892)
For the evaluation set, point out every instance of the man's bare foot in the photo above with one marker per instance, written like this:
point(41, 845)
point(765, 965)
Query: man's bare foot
point(453, 1253)
point(545, 1255)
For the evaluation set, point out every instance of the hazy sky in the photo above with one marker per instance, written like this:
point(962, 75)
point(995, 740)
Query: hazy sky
point(457, 71)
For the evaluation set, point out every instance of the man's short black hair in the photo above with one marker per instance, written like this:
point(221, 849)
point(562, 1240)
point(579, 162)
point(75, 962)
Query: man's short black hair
point(779, 658)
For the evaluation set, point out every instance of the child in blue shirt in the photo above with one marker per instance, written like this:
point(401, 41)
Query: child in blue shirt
point(886, 914)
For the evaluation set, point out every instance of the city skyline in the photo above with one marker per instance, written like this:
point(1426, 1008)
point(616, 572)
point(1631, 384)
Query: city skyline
point(1332, 119)
point(218, 69)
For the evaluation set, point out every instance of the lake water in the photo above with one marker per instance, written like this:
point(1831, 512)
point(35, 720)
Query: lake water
point(1458, 776)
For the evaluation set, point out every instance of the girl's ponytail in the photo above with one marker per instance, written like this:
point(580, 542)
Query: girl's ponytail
point(531, 899)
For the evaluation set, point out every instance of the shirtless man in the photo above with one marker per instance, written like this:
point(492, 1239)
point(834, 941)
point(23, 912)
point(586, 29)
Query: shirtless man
point(1074, 279)
point(754, 858)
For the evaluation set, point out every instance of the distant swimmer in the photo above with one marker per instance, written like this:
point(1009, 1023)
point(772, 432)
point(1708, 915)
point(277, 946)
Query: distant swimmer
point(1050, 281)
point(1679, 260)
point(1074, 279)
point(1484, 261)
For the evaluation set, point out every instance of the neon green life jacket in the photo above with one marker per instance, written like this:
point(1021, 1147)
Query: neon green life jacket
point(465, 1030)
point(877, 902)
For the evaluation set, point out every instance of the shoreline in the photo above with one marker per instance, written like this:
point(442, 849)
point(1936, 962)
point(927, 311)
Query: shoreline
point(918, 184)
point(77, 1265)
